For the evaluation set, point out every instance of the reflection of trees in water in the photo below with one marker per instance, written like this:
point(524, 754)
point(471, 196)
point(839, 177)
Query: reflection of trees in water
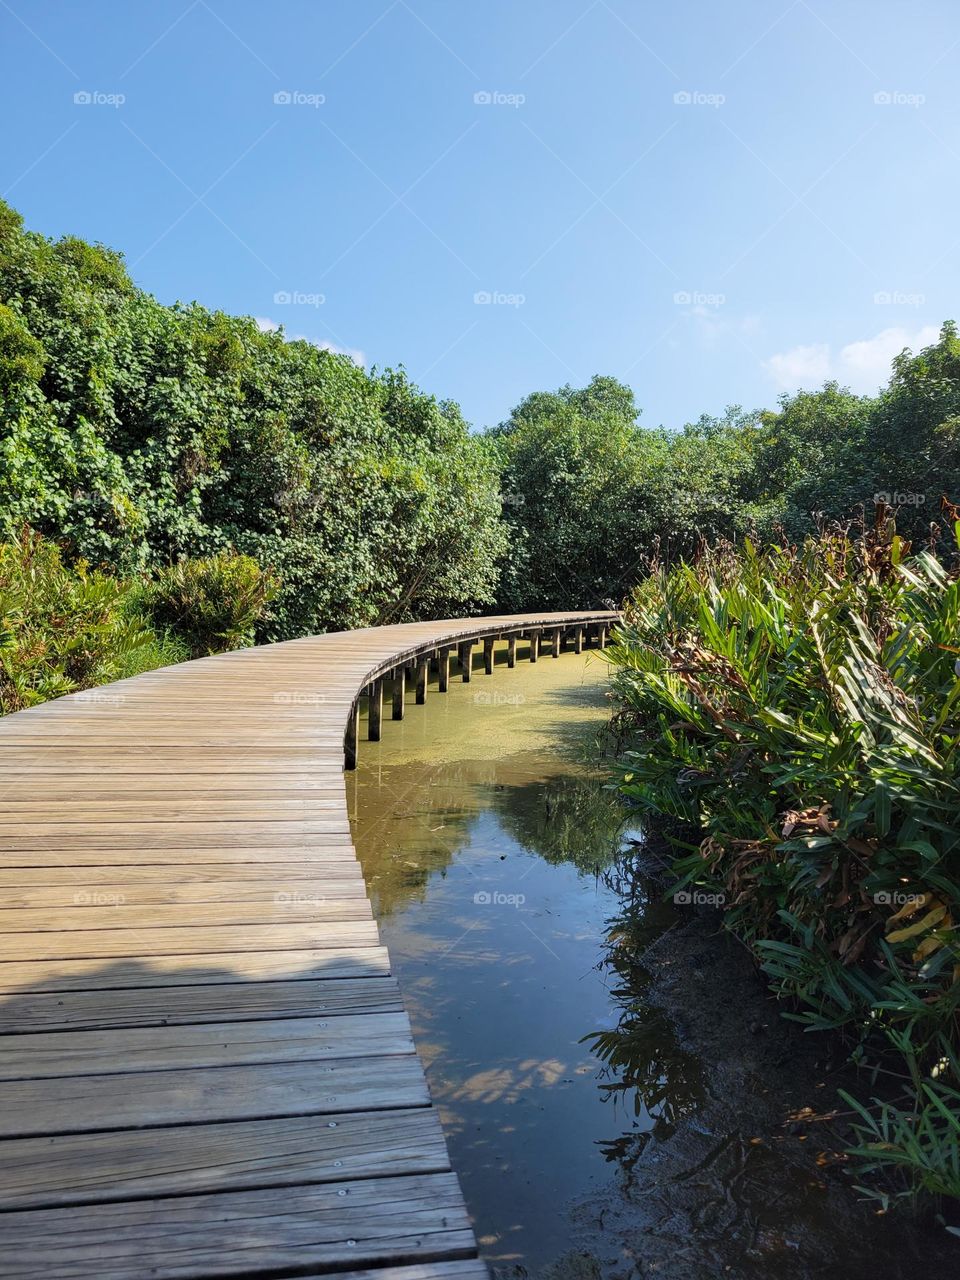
point(417, 819)
point(564, 818)
point(644, 1067)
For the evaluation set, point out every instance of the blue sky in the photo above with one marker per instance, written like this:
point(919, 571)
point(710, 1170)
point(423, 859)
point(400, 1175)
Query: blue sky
point(711, 202)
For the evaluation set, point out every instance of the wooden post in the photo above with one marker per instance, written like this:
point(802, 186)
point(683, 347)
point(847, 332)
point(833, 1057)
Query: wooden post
point(444, 668)
point(465, 650)
point(488, 644)
point(602, 636)
point(556, 642)
point(423, 672)
point(399, 691)
point(350, 737)
point(511, 651)
point(374, 710)
point(534, 645)
point(578, 639)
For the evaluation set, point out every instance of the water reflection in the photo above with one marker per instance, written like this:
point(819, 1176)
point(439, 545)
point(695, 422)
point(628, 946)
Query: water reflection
point(500, 872)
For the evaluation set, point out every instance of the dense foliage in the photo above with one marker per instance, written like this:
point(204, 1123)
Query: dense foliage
point(137, 434)
point(590, 496)
point(68, 628)
point(799, 708)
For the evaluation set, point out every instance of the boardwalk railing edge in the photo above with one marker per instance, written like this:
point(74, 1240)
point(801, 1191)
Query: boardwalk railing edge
point(205, 1067)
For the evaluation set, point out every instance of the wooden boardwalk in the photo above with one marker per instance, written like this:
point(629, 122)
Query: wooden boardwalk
point(205, 1066)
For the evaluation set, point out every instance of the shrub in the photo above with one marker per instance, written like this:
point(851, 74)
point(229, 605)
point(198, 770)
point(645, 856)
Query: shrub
point(212, 603)
point(64, 629)
point(798, 707)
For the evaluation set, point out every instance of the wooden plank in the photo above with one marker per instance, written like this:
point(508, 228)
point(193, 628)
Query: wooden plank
point(191, 878)
point(88, 1104)
point(179, 970)
point(315, 850)
point(132, 1164)
point(95, 909)
point(329, 1226)
point(45, 1055)
point(178, 1006)
point(95, 944)
point(77, 889)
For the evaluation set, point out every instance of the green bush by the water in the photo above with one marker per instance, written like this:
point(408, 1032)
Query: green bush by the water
point(211, 603)
point(64, 628)
point(799, 709)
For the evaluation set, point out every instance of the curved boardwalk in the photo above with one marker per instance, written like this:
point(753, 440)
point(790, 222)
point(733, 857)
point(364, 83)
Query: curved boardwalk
point(205, 1067)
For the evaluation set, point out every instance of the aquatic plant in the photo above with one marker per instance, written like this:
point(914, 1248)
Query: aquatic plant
point(798, 709)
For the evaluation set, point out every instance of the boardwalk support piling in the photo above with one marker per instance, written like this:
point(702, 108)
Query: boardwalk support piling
point(423, 674)
point(350, 737)
point(399, 692)
point(374, 710)
point(534, 645)
point(488, 654)
point(443, 668)
point(511, 651)
point(556, 641)
point(465, 652)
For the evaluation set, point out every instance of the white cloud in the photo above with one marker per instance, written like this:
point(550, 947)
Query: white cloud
point(266, 325)
point(863, 366)
point(800, 366)
point(356, 356)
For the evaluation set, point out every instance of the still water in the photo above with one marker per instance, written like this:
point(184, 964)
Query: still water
point(511, 893)
point(490, 849)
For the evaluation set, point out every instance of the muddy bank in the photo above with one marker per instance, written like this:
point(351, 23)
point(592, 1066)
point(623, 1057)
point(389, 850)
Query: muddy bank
point(745, 1184)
